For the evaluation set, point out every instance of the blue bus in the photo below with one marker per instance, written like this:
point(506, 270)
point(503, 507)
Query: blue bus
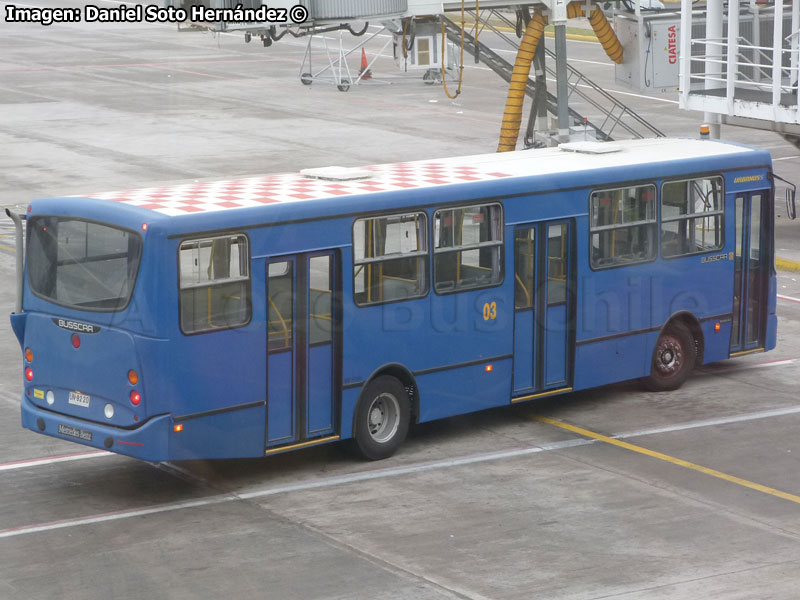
point(256, 316)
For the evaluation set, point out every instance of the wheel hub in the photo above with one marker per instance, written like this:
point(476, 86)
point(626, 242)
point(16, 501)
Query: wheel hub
point(670, 357)
point(375, 418)
point(383, 418)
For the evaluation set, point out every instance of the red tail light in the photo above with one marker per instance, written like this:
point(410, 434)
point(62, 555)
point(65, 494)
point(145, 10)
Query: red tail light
point(136, 398)
point(76, 340)
point(29, 374)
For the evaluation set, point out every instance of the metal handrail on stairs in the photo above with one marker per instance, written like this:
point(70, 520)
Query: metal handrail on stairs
point(577, 78)
point(504, 68)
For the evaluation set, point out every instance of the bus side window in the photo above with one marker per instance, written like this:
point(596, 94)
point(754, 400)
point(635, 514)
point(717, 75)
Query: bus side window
point(390, 258)
point(623, 226)
point(214, 283)
point(468, 247)
point(692, 216)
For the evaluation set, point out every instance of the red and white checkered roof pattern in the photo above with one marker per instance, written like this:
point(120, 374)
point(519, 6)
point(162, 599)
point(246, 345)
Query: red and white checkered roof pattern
point(293, 187)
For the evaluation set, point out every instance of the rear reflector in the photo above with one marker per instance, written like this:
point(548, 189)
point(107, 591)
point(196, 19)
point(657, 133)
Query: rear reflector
point(76, 340)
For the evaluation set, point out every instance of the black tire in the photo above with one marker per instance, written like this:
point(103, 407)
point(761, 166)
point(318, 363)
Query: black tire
point(673, 359)
point(306, 79)
point(344, 85)
point(382, 418)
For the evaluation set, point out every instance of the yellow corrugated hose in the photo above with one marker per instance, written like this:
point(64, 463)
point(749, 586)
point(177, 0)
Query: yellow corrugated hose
point(512, 119)
point(602, 29)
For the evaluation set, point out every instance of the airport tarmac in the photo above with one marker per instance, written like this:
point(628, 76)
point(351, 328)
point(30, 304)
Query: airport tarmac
point(608, 493)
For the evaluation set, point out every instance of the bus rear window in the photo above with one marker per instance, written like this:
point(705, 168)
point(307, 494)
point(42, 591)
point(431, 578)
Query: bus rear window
point(80, 264)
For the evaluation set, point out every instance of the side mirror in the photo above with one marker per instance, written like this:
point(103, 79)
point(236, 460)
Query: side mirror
point(791, 208)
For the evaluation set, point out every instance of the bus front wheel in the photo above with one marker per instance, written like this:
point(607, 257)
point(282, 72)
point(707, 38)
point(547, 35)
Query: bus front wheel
point(382, 418)
point(673, 358)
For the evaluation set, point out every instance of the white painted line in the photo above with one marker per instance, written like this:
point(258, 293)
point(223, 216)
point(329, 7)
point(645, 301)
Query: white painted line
point(785, 158)
point(746, 366)
point(765, 414)
point(418, 468)
point(789, 298)
point(38, 462)
point(774, 363)
point(326, 482)
point(318, 483)
point(15, 531)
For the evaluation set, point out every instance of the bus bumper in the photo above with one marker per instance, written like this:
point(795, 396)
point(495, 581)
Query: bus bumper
point(147, 442)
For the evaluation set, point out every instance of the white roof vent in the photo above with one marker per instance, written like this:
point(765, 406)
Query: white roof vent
point(590, 147)
point(337, 173)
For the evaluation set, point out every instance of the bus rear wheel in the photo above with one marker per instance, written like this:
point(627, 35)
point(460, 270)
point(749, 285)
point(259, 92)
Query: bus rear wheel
point(673, 358)
point(382, 418)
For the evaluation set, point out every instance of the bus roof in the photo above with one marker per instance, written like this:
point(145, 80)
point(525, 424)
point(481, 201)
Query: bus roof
point(203, 197)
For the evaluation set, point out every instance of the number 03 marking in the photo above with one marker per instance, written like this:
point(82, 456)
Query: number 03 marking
point(490, 311)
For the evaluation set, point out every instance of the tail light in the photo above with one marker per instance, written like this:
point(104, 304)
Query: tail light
point(28, 373)
point(29, 355)
point(136, 398)
point(133, 377)
point(76, 340)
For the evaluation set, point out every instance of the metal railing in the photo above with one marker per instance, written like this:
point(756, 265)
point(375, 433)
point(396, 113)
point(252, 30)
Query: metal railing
point(738, 76)
point(614, 113)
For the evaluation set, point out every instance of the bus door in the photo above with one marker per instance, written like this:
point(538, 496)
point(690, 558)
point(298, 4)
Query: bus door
point(302, 349)
point(543, 297)
point(751, 274)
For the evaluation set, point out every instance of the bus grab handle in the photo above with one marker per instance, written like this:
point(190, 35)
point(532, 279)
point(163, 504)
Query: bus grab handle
point(20, 257)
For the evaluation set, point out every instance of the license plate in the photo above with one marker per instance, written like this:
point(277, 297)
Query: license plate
point(79, 399)
point(81, 434)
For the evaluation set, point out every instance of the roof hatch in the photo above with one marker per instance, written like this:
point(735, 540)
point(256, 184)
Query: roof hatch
point(590, 147)
point(336, 173)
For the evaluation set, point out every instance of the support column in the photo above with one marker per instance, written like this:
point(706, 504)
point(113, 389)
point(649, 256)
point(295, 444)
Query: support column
point(714, 56)
point(562, 90)
point(777, 55)
point(540, 70)
point(793, 75)
point(685, 41)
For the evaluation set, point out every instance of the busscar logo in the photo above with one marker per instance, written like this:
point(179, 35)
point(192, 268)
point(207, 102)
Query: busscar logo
point(76, 326)
point(715, 258)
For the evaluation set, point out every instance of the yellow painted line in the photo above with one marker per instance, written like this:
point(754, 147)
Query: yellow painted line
point(745, 352)
point(542, 394)
point(670, 459)
point(9, 248)
point(783, 264)
point(303, 445)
